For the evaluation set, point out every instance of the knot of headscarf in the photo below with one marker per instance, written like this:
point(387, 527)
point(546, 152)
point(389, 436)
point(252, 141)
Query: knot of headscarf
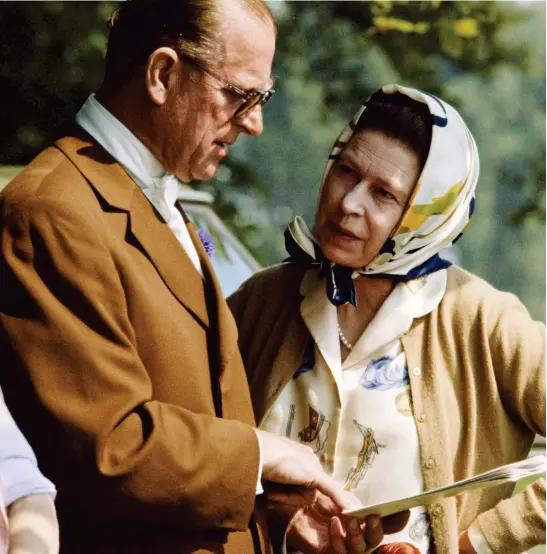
point(305, 252)
point(439, 210)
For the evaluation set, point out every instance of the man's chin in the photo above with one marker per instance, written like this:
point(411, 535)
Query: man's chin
point(205, 173)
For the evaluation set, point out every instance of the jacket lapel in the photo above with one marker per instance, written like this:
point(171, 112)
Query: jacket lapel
point(120, 192)
point(219, 310)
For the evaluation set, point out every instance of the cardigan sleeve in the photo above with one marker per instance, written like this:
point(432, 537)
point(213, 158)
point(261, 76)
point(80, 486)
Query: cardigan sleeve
point(517, 348)
point(122, 454)
point(237, 302)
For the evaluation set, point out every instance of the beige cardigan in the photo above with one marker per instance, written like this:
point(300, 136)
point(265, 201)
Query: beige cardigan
point(477, 374)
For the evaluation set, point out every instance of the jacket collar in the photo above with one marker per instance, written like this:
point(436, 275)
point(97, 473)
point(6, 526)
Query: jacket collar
point(120, 192)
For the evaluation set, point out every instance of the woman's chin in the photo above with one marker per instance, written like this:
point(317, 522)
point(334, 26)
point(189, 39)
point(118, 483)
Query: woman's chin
point(340, 257)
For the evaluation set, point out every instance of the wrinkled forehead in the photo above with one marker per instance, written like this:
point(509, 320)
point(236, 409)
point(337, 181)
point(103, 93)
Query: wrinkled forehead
point(452, 155)
point(375, 149)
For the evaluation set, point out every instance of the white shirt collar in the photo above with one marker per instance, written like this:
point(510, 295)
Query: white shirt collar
point(118, 140)
point(160, 187)
point(406, 302)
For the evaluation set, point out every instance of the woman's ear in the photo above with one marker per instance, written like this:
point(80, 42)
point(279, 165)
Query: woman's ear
point(161, 74)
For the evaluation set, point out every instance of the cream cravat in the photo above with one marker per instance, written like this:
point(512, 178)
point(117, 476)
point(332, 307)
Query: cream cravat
point(161, 188)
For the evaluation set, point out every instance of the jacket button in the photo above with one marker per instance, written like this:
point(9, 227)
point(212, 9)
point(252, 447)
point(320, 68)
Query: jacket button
point(421, 418)
point(437, 510)
point(430, 463)
point(416, 371)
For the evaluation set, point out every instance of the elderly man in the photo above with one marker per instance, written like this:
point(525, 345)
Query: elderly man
point(120, 354)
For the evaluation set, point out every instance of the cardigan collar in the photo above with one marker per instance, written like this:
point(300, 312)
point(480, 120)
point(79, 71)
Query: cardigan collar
point(407, 301)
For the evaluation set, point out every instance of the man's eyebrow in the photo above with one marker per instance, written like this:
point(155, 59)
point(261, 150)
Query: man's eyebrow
point(271, 82)
point(269, 85)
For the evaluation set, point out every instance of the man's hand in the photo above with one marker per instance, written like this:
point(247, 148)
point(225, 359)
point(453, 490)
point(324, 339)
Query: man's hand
point(289, 463)
point(33, 526)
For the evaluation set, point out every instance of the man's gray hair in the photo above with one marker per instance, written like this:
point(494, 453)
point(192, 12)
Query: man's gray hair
point(193, 28)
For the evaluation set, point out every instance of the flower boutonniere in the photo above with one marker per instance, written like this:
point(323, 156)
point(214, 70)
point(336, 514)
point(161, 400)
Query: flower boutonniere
point(207, 241)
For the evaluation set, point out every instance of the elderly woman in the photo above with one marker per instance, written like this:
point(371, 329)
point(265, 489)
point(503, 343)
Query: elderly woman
point(403, 372)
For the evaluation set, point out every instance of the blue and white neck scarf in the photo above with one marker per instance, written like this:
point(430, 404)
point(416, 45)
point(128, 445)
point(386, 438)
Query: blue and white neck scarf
point(438, 211)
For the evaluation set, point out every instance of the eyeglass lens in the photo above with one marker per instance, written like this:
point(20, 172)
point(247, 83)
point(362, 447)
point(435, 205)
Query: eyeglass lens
point(251, 102)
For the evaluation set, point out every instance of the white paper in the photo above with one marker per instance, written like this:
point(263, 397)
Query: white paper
point(532, 467)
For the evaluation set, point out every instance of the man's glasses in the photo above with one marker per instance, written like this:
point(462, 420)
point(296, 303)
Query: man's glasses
point(251, 98)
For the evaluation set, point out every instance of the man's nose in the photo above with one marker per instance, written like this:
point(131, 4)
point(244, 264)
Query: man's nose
point(253, 123)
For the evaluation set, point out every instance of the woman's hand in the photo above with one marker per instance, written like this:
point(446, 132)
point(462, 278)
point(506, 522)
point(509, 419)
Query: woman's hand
point(353, 537)
point(340, 535)
point(465, 546)
point(305, 514)
point(316, 526)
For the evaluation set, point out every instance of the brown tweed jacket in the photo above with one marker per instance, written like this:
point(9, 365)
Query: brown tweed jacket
point(120, 365)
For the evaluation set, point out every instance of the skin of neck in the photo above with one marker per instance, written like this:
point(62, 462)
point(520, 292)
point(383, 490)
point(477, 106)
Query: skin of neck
point(371, 294)
point(129, 104)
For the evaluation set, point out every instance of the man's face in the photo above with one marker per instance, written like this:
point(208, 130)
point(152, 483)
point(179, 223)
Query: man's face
point(198, 122)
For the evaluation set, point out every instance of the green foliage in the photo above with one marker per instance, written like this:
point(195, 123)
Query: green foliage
point(51, 58)
point(486, 58)
point(495, 78)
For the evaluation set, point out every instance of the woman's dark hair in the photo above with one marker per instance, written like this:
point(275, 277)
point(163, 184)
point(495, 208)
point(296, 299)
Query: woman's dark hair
point(192, 28)
point(401, 118)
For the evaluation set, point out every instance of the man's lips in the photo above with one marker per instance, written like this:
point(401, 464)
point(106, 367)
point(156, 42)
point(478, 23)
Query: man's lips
point(225, 144)
point(224, 147)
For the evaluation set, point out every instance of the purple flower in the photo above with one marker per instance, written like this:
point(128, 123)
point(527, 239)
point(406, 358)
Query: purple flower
point(207, 241)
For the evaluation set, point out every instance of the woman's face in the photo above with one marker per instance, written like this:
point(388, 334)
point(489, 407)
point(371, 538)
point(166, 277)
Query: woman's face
point(364, 197)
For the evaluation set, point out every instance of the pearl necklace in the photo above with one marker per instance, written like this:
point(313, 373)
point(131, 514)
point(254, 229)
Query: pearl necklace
point(343, 339)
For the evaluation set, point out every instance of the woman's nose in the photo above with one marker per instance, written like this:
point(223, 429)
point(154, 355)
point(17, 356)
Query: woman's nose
point(354, 201)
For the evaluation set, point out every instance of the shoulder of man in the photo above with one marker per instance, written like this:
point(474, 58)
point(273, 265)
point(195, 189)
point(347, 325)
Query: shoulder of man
point(54, 185)
point(49, 176)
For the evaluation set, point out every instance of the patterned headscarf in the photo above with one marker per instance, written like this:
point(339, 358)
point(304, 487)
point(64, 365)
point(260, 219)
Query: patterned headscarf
point(437, 213)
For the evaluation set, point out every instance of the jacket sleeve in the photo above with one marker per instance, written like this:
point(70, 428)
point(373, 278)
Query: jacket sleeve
point(517, 347)
point(120, 454)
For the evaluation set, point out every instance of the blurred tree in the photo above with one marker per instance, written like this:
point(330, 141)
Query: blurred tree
point(51, 58)
point(487, 58)
point(472, 54)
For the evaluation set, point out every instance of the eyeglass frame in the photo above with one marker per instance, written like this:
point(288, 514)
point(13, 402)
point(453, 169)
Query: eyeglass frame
point(246, 95)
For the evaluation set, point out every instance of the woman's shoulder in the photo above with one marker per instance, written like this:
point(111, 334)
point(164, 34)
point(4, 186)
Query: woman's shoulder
point(266, 302)
point(468, 295)
point(277, 281)
point(461, 281)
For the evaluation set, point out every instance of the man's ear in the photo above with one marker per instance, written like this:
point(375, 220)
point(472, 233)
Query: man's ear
point(161, 74)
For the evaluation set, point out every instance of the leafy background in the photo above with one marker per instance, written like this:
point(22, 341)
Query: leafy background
point(486, 58)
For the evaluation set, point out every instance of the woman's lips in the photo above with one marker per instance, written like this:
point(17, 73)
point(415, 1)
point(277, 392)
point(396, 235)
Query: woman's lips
point(342, 233)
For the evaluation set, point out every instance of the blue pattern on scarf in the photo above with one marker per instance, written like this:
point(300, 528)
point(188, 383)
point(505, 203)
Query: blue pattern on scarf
point(308, 362)
point(384, 374)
